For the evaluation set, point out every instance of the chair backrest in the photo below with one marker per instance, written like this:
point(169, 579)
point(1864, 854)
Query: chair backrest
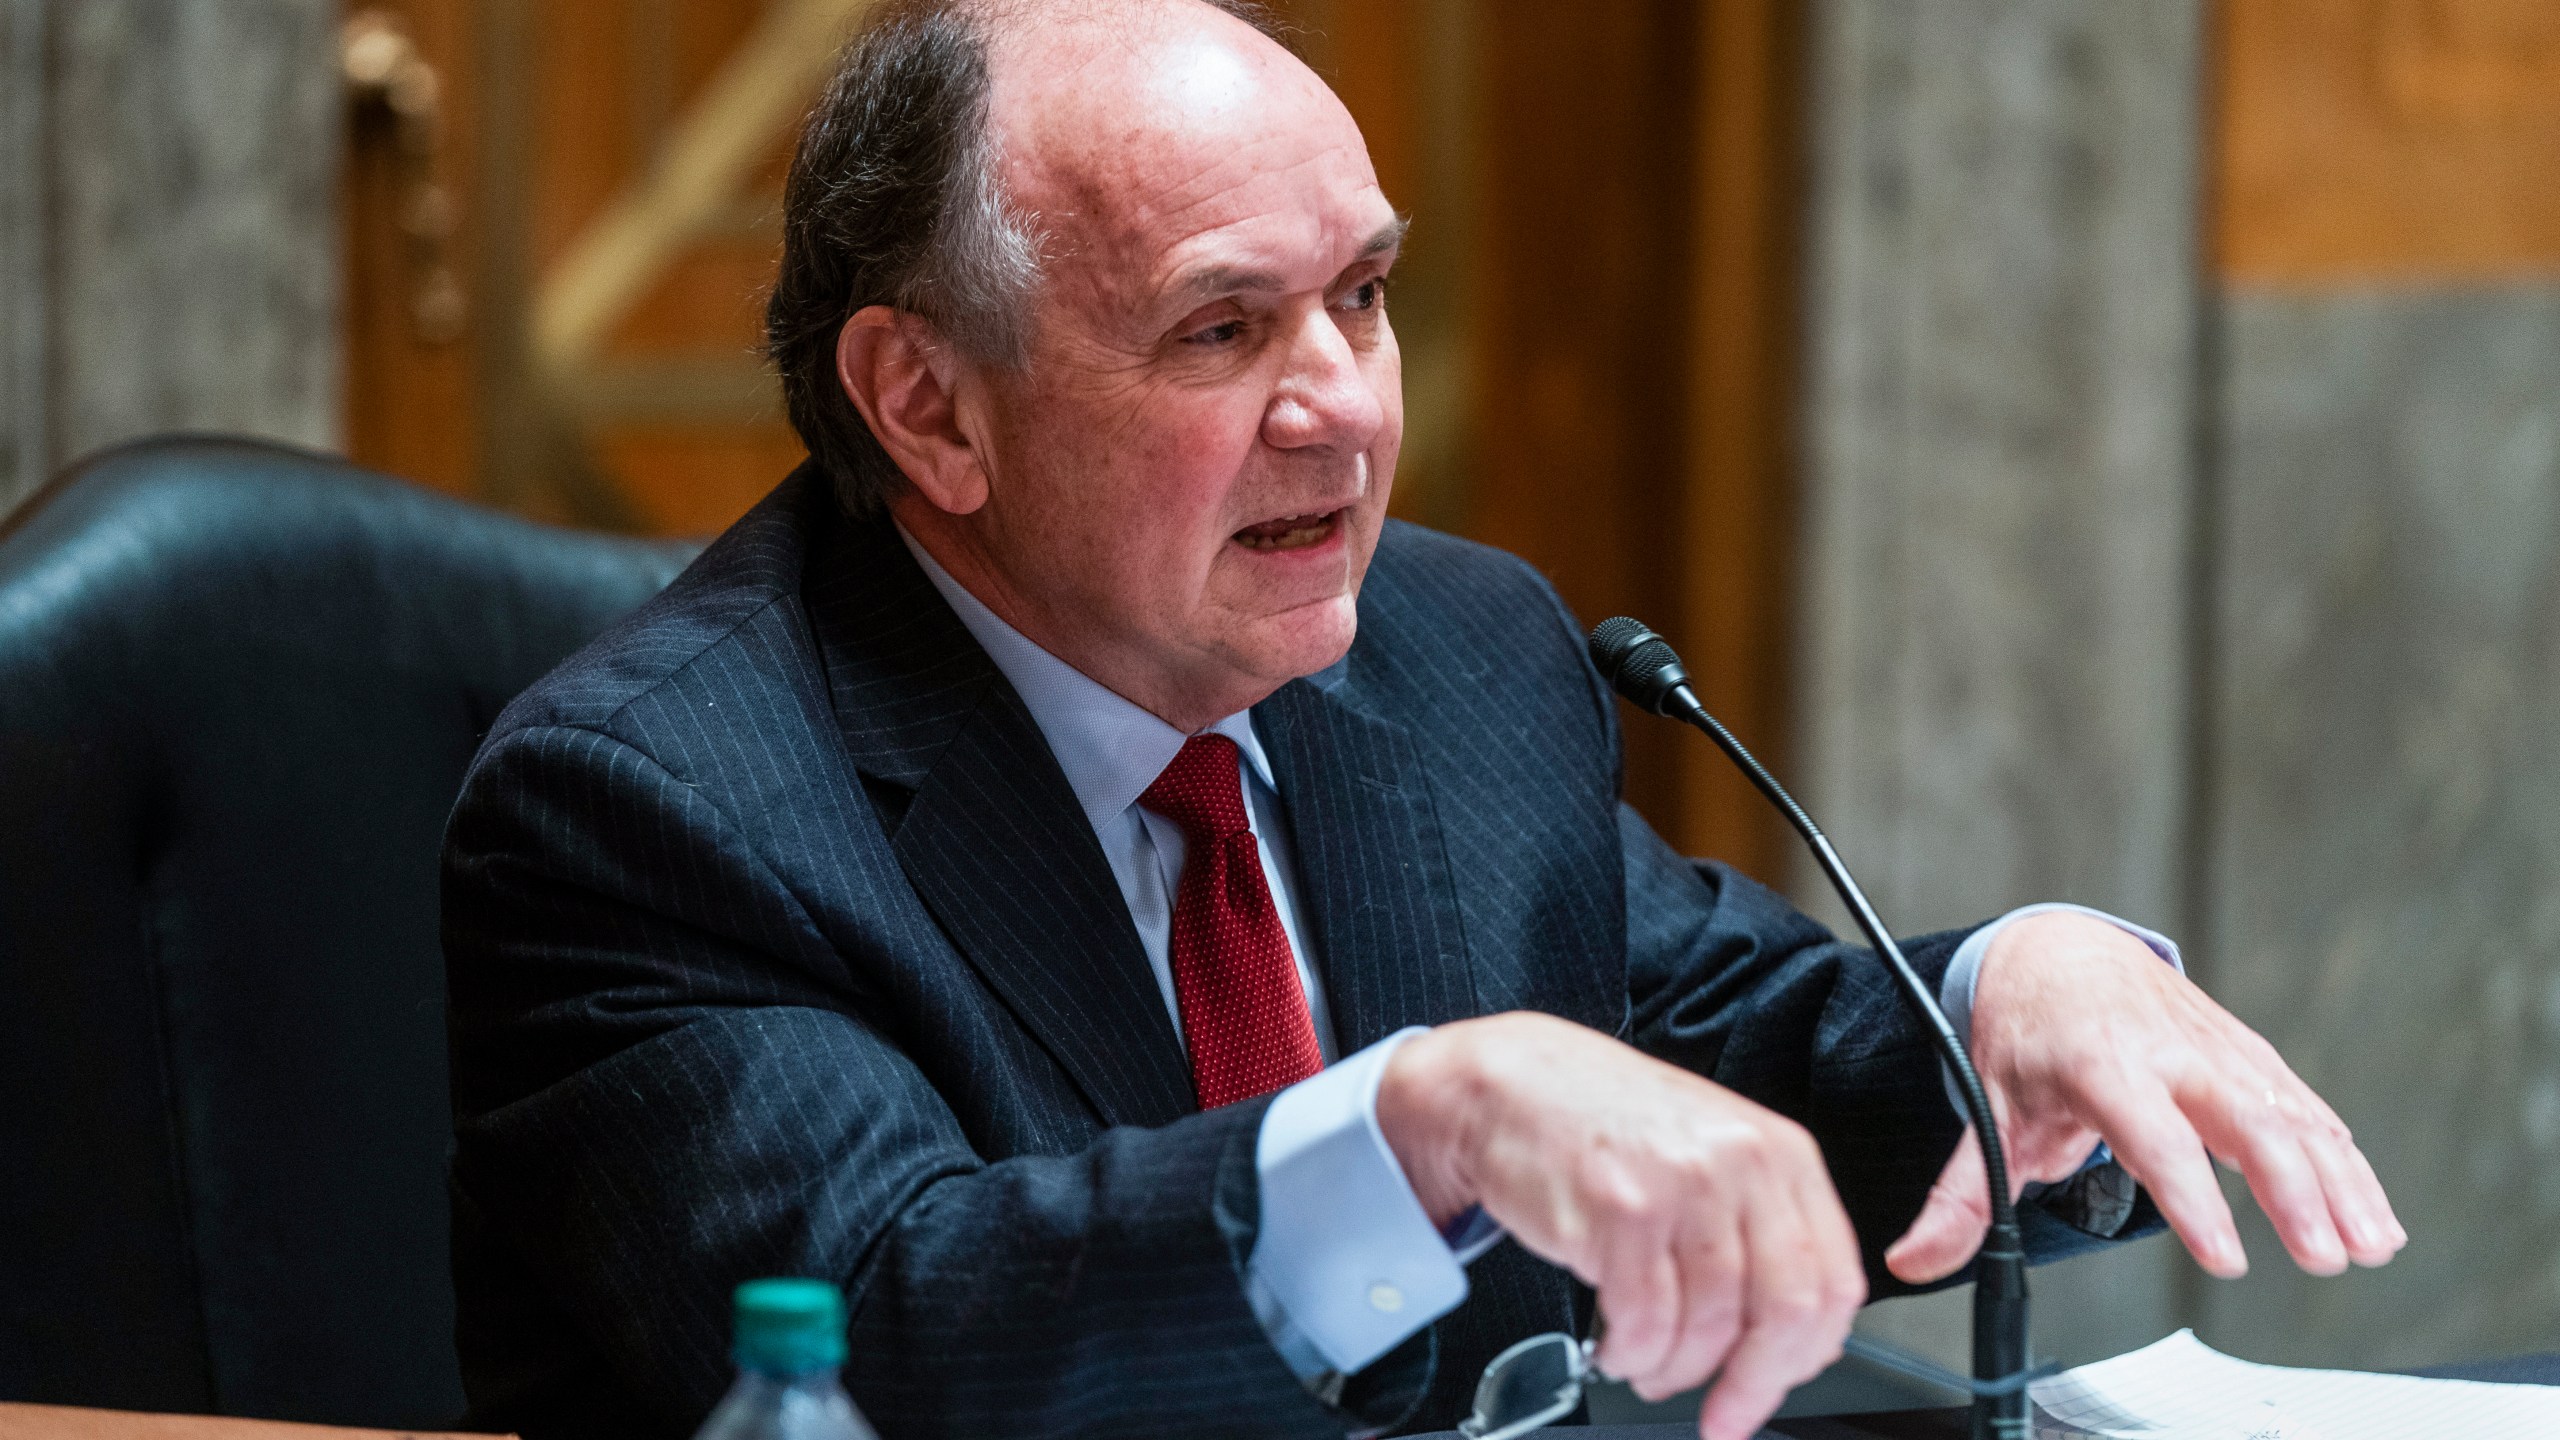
point(239, 685)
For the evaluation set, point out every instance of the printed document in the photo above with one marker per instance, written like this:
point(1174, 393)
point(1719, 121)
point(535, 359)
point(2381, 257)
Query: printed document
point(2183, 1389)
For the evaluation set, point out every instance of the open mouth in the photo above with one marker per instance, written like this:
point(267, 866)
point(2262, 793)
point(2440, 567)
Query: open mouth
point(1290, 532)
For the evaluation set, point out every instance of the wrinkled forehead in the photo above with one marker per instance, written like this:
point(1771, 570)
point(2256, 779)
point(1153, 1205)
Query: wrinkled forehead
point(1150, 140)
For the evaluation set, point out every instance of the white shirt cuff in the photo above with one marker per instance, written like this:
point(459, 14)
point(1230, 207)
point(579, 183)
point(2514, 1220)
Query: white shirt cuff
point(1347, 1264)
point(1964, 972)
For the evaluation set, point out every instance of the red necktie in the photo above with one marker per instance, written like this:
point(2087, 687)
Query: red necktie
point(1244, 1015)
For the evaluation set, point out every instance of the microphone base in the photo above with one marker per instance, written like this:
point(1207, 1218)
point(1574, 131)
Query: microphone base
point(2000, 1417)
point(2000, 1334)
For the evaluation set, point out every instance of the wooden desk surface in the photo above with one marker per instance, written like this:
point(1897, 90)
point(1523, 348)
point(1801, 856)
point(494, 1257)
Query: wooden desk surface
point(59, 1422)
point(64, 1422)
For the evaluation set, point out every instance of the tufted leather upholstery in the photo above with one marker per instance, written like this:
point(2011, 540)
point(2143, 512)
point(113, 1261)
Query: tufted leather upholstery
point(238, 688)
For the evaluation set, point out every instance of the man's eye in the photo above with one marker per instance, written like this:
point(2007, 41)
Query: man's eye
point(1223, 333)
point(1368, 295)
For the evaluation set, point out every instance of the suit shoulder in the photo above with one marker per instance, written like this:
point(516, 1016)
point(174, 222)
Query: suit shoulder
point(1437, 610)
point(1431, 569)
point(753, 566)
point(1423, 577)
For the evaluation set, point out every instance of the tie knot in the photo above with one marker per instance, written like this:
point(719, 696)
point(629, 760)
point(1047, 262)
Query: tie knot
point(1200, 791)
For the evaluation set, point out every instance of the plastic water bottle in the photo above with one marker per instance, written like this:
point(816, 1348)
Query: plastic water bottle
point(789, 1346)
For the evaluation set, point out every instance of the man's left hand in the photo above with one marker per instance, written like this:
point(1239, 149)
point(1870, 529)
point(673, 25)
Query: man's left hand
point(2082, 1034)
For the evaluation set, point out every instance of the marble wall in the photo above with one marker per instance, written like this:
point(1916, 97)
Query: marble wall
point(1999, 467)
point(2236, 611)
point(2383, 846)
point(24, 454)
point(168, 224)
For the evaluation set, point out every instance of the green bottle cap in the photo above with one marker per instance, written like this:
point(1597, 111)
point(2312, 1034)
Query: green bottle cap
point(789, 1327)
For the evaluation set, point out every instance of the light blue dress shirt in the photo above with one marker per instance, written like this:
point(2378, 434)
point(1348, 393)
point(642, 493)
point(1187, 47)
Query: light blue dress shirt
point(1347, 1264)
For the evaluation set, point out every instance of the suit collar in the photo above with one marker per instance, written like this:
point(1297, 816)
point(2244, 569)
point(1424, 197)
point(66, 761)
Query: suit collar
point(1110, 747)
point(902, 672)
point(991, 836)
point(1374, 873)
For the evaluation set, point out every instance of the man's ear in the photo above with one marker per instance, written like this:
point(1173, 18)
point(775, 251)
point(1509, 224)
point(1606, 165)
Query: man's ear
point(903, 378)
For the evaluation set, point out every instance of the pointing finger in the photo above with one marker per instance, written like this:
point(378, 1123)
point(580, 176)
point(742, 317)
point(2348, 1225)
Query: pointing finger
point(1789, 1330)
point(1713, 1272)
point(1639, 1301)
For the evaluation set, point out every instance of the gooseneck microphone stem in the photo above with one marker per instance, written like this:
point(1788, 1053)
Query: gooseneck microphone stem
point(1644, 668)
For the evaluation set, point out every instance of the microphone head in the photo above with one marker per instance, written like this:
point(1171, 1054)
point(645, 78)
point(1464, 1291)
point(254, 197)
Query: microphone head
point(1613, 640)
point(1640, 664)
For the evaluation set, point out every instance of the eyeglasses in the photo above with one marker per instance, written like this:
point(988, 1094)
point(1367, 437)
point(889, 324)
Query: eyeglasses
point(1536, 1382)
point(1540, 1380)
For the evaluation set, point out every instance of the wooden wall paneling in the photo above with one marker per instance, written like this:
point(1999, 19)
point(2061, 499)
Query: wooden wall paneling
point(1581, 262)
point(572, 108)
point(1740, 518)
point(2387, 140)
point(411, 403)
point(718, 440)
point(522, 450)
point(579, 146)
point(1370, 52)
point(664, 382)
point(555, 109)
point(584, 145)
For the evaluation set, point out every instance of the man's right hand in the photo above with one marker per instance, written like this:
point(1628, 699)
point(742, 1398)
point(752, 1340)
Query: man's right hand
point(1706, 1223)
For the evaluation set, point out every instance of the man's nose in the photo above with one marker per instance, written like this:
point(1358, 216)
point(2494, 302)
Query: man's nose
point(1324, 400)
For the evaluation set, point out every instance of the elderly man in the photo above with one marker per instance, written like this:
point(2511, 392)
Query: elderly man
point(1164, 937)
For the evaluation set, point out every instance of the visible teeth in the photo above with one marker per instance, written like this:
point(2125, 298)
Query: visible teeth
point(1290, 532)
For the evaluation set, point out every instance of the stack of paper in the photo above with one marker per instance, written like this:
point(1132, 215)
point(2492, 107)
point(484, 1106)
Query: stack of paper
point(2182, 1389)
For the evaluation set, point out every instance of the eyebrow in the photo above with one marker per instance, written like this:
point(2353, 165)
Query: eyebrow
point(1213, 280)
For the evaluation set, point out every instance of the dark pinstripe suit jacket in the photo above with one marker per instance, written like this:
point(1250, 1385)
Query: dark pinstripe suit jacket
point(779, 945)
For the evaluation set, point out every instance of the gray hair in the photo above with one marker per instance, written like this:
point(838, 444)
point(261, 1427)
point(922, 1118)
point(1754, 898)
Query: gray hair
point(894, 199)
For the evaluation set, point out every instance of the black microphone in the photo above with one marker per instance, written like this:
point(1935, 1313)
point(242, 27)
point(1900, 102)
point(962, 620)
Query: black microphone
point(1647, 671)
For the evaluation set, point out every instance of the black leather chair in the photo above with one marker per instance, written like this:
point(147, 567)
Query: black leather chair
point(238, 687)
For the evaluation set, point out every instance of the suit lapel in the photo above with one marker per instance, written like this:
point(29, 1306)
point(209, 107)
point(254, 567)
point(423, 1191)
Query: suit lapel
point(1374, 874)
point(995, 843)
point(991, 835)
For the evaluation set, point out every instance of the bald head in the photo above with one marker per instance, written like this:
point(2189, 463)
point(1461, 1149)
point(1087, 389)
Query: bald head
point(1081, 91)
point(1122, 125)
